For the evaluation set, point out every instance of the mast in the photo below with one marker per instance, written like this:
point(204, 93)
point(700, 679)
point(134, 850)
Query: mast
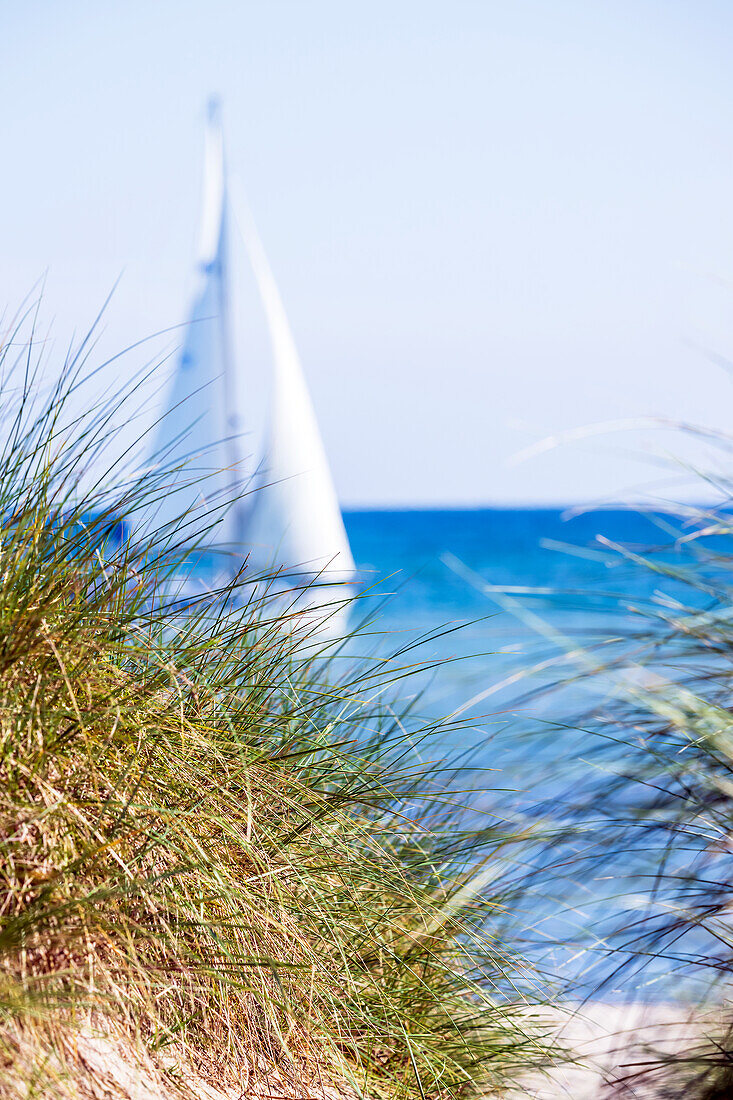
point(197, 436)
point(214, 253)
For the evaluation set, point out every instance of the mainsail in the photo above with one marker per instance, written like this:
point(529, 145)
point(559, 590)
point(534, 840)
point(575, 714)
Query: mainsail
point(197, 437)
point(295, 521)
point(292, 522)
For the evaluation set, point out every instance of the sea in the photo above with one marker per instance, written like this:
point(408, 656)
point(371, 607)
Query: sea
point(502, 612)
point(493, 592)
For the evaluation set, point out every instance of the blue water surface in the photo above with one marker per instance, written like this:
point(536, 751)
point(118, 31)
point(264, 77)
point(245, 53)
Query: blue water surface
point(529, 589)
point(519, 582)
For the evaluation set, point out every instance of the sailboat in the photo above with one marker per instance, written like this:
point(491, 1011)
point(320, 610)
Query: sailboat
point(291, 524)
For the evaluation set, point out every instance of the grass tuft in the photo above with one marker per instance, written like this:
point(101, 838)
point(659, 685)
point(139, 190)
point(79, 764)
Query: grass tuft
point(218, 838)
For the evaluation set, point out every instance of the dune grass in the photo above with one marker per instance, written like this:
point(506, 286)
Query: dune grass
point(219, 837)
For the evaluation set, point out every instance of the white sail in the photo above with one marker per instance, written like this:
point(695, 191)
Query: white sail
point(294, 522)
point(196, 437)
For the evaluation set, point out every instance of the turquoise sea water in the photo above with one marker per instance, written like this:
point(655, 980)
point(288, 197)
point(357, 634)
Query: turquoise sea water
point(524, 587)
point(519, 583)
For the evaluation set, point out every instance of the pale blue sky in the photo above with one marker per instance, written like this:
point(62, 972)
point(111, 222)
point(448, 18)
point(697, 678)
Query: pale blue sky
point(490, 221)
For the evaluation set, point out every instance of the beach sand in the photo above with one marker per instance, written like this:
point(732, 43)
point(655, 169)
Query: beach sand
point(613, 1046)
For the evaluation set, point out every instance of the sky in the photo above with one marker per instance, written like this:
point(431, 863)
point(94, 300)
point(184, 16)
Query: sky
point(491, 223)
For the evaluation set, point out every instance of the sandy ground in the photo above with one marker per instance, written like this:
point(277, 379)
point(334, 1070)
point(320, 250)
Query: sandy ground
point(611, 1044)
point(99, 1065)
